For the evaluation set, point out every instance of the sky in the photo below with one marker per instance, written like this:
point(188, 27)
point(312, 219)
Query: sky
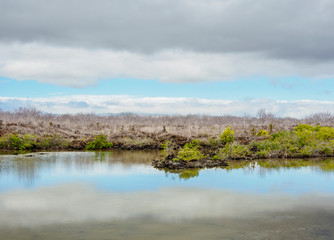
point(211, 57)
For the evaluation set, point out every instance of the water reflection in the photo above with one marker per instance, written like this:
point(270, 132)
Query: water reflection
point(28, 167)
point(184, 174)
point(119, 195)
point(263, 167)
point(132, 170)
point(80, 202)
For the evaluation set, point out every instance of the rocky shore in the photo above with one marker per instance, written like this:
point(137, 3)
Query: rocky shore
point(195, 164)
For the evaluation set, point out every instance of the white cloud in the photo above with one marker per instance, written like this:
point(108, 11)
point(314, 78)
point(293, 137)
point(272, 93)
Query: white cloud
point(164, 105)
point(294, 29)
point(77, 67)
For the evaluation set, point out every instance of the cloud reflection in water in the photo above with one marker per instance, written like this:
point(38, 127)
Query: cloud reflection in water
point(79, 202)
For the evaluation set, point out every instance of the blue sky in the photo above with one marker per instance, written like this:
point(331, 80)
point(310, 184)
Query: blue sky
point(289, 88)
point(199, 57)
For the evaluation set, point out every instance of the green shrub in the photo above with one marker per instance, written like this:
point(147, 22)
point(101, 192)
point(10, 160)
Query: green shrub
point(54, 141)
point(306, 151)
point(10, 141)
point(325, 133)
point(232, 151)
point(303, 127)
point(15, 142)
point(29, 141)
point(253, 131)
point(262, 154)
point(266, 145)
point(325, 148)
point(189, 152)
point(262, 133)
point(167, 149)
point(227, 136)
point(213, 142)
point(100, 142)
point(305, 140)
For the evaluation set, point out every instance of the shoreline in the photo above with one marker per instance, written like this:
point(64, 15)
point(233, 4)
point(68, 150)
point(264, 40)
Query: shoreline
point(180, 151)
point(170, 165)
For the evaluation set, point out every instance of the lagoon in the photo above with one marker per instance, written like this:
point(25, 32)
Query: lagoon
point(119, 195)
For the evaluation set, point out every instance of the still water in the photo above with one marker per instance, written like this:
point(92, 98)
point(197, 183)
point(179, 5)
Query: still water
point(119, 195)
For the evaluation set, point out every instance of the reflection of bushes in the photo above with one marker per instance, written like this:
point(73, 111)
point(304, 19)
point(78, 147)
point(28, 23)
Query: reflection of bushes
point(187, 174)
point(182, 174)
point(326, 165)
point(242, 164)
point(291, 163)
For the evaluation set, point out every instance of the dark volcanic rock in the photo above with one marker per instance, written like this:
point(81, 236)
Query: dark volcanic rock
point(202, 163)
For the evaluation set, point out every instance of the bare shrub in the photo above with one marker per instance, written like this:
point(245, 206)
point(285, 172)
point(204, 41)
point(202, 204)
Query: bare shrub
point(323, 118)
point(83, 125)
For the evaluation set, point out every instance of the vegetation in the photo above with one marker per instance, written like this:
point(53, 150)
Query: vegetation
point(227, 136)
point(54, 141)
point(15, 142)
point(262, 133)
point(190, 152)
point(167, 149)
point(222, 137)
point(304, 141)
point(213, 142)
point(32, 142)
point(100, 142)
point(137, 142)
point(233, 151)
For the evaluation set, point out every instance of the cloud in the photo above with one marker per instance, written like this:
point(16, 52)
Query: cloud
point(73, 203)
point(77, 42)
point(77, 67)
point(293, 29)
point(165, 105)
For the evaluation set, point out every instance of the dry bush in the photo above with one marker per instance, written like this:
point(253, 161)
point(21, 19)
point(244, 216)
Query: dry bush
point(31, 120)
